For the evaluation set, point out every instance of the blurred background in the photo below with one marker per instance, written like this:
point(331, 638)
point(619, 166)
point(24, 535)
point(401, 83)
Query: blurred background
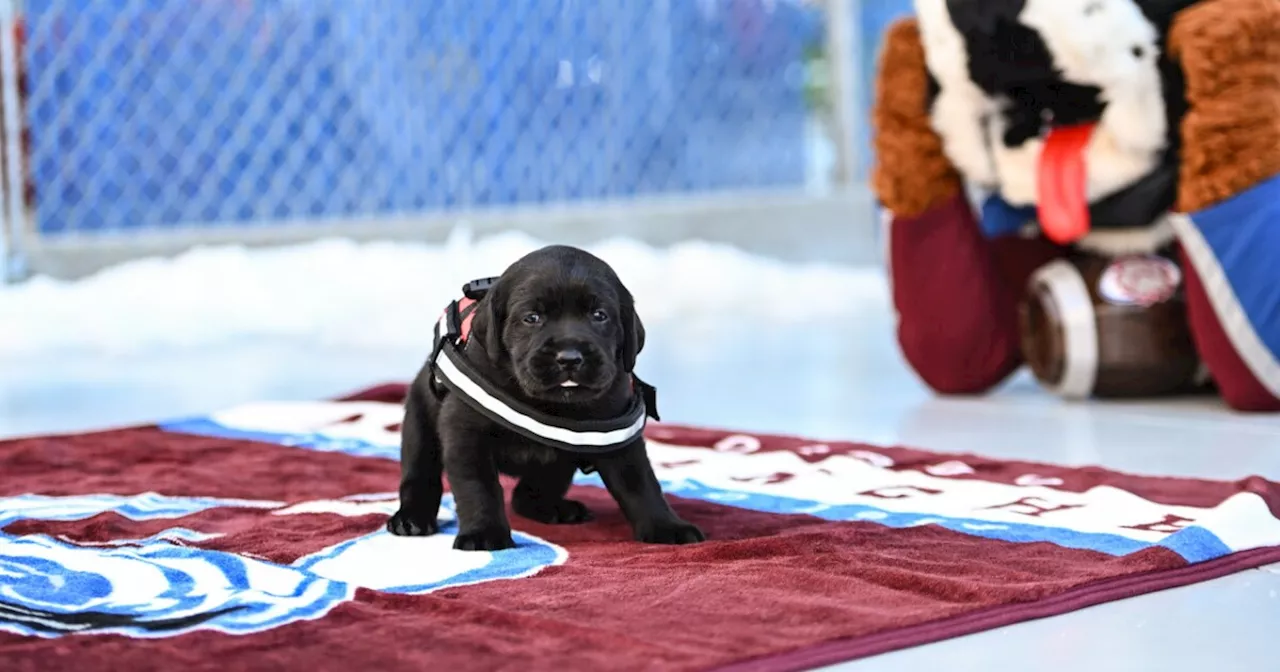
point(150, 126)
point(208, 201)
point(213, 202)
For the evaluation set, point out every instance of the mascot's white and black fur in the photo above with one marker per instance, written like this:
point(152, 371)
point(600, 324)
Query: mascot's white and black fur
point(1002, 70)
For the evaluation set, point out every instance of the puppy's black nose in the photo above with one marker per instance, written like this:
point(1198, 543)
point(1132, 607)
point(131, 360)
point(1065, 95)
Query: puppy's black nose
point(569, 358)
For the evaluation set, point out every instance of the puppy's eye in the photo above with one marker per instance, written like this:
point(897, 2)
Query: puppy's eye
point(599, 316)
point(532, 318)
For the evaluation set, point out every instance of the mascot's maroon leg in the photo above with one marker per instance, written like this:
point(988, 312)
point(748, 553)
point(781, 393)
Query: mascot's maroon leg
point(1237, 384)
point(957, 293)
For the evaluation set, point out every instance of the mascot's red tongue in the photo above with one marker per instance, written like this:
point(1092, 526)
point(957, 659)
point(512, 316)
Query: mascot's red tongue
point(1063, 208)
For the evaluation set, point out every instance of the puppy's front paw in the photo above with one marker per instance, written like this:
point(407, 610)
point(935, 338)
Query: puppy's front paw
point(674, 532)
point(403, 524)
point(484, 539)
point(562, 512)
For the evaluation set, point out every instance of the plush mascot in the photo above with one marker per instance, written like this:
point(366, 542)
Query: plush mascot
point(1014, 138)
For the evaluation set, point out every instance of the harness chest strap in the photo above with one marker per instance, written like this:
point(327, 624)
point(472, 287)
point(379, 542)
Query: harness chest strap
point(452, 371)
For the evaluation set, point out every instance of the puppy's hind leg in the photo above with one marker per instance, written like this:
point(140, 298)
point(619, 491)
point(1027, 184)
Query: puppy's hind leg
point(540, 495)
point(421, 471)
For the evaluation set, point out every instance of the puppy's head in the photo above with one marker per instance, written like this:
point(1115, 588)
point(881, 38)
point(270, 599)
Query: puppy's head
point(563, 325)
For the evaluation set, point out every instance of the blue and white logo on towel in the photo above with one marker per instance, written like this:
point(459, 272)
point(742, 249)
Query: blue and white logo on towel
point(860, 486)
point(162, 585)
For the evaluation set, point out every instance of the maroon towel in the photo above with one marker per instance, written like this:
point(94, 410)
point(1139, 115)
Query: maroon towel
point(252, 539)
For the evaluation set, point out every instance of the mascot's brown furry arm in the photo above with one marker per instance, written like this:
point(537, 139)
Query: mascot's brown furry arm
point(1146, 132)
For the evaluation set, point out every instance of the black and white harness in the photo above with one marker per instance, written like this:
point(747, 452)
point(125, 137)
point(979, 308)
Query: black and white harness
point(453, 373)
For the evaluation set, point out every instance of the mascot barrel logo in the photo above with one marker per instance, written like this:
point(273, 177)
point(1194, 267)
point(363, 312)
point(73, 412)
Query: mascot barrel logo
point(1140, 280)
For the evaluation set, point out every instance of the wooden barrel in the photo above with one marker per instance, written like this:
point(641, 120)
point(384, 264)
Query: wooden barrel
point(1109, 327)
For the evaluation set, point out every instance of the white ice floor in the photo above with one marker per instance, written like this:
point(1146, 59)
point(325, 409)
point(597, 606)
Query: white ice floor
point(734, 341)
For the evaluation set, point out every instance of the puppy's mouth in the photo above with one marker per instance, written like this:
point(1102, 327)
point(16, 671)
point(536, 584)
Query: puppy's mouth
point(563, 384)
point(573, 388)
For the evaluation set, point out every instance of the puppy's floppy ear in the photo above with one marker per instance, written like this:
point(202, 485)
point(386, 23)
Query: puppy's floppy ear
point(632, 333)
point(491, 317)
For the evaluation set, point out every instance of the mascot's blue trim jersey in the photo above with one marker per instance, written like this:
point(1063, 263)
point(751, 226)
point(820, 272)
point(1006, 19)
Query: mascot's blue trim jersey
point(999, 218)
point(1234, 247)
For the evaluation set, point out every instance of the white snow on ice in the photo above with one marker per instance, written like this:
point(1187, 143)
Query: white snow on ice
point(344, 294)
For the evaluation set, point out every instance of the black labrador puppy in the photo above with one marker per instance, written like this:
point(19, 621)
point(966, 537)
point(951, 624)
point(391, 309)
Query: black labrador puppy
point(558, 332)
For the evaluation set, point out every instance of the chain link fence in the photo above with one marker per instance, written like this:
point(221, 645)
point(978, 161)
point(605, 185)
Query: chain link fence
point(200, 118)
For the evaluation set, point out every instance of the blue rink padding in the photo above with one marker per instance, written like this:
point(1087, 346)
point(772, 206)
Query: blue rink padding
point(160, 113)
